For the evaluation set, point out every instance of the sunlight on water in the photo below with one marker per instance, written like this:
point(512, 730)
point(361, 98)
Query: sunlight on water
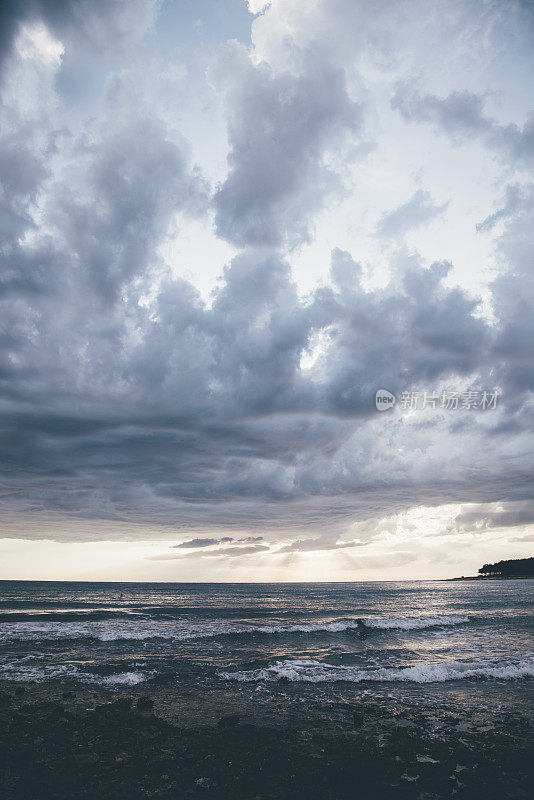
point(411, 636)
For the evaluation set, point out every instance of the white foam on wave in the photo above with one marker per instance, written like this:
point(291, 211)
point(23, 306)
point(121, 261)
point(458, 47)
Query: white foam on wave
point(311, 671)
point(107, 631)
point(138, 631)
point(413, 623)
point(204, 631)
point(124, 679)
point(18, 672)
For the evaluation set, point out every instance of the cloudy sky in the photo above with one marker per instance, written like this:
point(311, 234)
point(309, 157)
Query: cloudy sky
point(226, 225)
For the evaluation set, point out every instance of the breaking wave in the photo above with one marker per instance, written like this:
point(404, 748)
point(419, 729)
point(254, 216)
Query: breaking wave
point(39, 673)
point(135, 631)
point(412, 623)
point(311, 671)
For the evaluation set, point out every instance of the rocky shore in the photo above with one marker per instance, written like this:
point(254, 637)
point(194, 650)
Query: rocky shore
point(70, 742)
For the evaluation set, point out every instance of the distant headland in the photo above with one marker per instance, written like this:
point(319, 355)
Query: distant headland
point(502, 570)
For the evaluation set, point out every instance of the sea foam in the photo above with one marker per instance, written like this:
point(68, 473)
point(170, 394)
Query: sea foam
point(15, 671)
point(311, 671)
point(138, 631)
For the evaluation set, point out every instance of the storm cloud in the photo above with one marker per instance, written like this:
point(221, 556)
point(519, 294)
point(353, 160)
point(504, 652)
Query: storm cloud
point(135, 398)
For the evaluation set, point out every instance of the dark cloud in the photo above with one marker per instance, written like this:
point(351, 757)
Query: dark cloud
point(513, 203)
point(513, 300)
point(461, 117)
point(120, 197)
point(481, 518)
point(98, 23)
point(128, 398)
point(226, 552)
point(206, 418)
point(199, 543)
point(419, 210)
point(210, 542)
point(280, 128)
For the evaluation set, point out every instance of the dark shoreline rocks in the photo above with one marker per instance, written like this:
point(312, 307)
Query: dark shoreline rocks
point(103, 746)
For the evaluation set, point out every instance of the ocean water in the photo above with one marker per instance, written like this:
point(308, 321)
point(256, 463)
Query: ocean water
point(393, 639)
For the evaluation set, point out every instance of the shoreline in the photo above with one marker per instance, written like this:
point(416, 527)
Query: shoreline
point(63, 741)
point(491, 578)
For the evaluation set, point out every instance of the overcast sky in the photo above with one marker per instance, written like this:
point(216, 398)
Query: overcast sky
point(225, 226)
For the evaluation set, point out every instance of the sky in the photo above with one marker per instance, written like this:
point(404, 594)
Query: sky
point(224, 227)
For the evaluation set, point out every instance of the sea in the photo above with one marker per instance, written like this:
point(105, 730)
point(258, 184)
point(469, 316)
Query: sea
point(447, 642)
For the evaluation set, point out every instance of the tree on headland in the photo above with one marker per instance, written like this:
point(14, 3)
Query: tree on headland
point(512, 568)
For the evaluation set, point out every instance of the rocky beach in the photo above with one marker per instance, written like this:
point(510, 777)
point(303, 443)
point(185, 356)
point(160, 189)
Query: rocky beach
point(60, 741)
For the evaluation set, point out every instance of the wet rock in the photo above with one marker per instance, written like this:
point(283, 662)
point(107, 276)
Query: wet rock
point(5, 699)
point(55, 709)
point(121, 706)
point(229, 721)
point(145, 705)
